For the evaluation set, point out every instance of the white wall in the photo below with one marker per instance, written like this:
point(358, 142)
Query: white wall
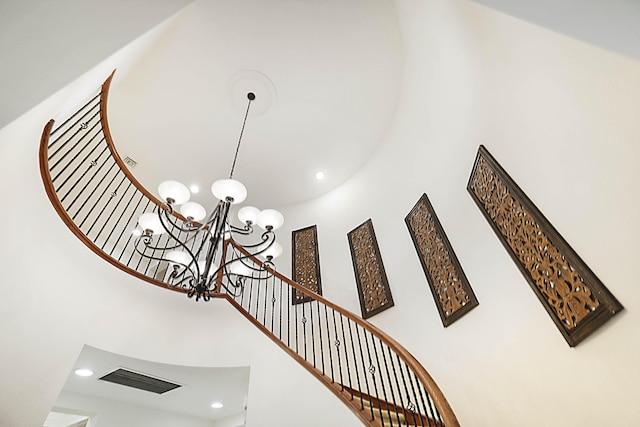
point(58, 296)
point(563, 118)
point(111, 413)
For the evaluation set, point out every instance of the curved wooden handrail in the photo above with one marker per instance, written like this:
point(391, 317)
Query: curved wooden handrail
point(433, 391)
point(427, 381)
point(64, 215)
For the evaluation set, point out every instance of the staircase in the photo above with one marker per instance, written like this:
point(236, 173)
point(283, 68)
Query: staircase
point(99, 200)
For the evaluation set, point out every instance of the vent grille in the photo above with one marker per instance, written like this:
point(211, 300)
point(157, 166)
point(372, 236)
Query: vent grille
point(130, 162)
point(139, 381)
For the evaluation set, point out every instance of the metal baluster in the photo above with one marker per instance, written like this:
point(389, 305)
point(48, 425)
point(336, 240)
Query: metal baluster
point(386, 367)
point(304, 330)
point(92, 164)
point(313, 337)
point(94, 189)
point(99, 198)
point(78, 130)
point(264, 313)
point(295, 309)
point(416, 398)
point(71, 118)
point(395, 376)
point(115, 227)
point(280, 317)
point(372, 371)
point(326, 318)
point(346, 358)
point(273, 302)
point(364, 370)
point(289, 316)
point(113, 194)
point(74, 158)
point(135, 210)
point(434, 411)
point(72, 174)
point(133, 252)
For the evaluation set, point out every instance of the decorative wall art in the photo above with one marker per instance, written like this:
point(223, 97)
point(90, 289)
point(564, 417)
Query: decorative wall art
point(305, 261)
point(450, 288)
point(373, 286)
point(577, 301)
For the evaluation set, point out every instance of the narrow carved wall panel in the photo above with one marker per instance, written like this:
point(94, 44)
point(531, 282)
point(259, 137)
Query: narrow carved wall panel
point(450, 288)
point(373, 286)
point(305, 261)
point(577, 301)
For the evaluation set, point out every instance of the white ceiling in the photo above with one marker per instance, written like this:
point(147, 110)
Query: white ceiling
point(201, 386)
point(331, 70)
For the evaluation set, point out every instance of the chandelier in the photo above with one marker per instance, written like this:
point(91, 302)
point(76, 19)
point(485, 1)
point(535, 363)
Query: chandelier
point(203, 256)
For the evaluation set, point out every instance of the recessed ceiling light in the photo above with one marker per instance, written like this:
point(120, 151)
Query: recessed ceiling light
point(217, 405)
point(194, 189)
point(319, 175)
point(84, 372)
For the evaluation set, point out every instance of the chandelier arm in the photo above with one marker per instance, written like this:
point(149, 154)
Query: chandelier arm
point(155, 248)
point(245, 231)
point(161, 259)
point(190, 226)
point(242, 258)
point(266, 236)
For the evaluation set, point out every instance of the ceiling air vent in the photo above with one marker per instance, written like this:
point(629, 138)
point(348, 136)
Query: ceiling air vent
point(139, 381)
point(130, 162)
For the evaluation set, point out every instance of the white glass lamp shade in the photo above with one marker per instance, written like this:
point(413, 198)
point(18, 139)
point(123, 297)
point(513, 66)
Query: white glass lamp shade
point(229, 188)
point(240, 269)
point(174, 190)
point(248, 214)
point(178, 257)
point(270, 217)
point(150, 221)
point(212, 269)
point(193, 210)
point(274, 251)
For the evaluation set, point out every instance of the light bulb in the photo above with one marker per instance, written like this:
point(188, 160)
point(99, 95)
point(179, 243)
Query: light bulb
point(274, 251)
point(240, 269)
point(248, 214)
point(270, 218)
point(178, 257)
point(150, 221)
point(224, 189)
point(175, 191)
point(194, 210)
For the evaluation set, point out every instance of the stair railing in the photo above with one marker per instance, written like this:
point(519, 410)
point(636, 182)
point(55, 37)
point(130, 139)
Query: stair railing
point(100, 201)
point(381, 381)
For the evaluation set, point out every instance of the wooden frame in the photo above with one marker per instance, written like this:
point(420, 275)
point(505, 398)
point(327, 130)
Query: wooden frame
point(371, 278)
point(449, 286)
point(305, 262)
point(577, 301)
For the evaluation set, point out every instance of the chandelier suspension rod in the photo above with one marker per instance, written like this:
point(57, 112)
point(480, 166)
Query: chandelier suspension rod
point(251, 97)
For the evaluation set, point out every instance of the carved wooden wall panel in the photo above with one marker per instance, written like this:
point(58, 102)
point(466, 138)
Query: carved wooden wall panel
point(373, 286)
point(450, 288)
point(577, 301)
point(305, 261)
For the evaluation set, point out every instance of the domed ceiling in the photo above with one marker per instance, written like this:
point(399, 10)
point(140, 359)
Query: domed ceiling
point(326, 75)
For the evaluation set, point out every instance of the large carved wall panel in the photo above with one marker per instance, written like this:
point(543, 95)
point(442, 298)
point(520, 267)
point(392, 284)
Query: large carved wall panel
point(450, 288)
point(305, 261)
point(371, 279)
point(577, 301)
